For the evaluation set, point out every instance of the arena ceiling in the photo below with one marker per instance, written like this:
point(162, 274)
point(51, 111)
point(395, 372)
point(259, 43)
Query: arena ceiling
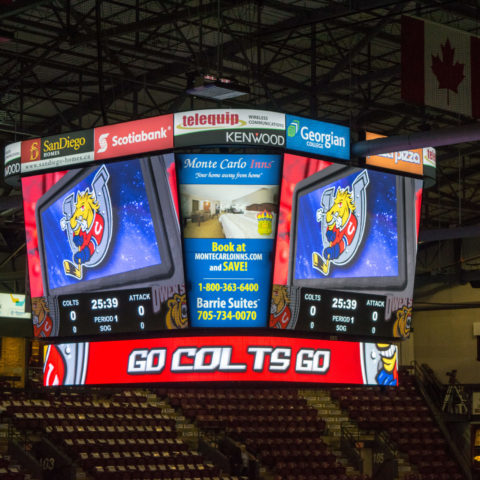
point(69, 65)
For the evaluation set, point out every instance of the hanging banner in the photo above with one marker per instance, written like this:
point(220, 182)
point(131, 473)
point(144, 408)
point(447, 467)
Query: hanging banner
point(229, 206)
point(440, 66)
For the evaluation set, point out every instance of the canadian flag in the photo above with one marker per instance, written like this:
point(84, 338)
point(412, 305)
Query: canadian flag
point(440, 67)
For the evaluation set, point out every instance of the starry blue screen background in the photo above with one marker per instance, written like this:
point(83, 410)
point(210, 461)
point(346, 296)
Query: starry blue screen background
point(377, 255)
point(133, 244)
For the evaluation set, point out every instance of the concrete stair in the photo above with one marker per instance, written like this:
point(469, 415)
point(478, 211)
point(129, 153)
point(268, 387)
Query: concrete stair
point(404, 466)
point(187, 431)
point(334, 416)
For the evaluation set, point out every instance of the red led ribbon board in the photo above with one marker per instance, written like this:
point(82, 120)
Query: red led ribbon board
point(220, 359)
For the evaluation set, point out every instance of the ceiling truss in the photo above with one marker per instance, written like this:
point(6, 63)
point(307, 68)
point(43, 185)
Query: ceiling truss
point(68, 65)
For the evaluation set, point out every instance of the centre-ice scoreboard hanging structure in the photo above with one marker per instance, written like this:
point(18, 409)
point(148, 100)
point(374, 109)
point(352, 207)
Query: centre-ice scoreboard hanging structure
point(175, 226)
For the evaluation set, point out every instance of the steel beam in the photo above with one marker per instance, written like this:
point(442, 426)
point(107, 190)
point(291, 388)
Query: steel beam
point(433, 138)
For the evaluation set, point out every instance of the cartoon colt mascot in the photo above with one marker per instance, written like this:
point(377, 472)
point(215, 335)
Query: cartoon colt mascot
point(87, 225)
point(341, 228)
point(387, 374)
point(280, 313)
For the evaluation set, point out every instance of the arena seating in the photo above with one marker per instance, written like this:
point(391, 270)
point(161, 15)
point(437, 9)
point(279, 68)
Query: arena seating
point(10, 470)
point(123, 437)
point(403, 413)
point(276, 425)
point(122, 434)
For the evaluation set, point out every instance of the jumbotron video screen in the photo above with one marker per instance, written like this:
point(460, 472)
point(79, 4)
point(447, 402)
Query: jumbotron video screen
point(175, 227)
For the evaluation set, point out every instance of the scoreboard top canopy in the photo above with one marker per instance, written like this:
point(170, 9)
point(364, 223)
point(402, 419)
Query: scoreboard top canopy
point(201, 128)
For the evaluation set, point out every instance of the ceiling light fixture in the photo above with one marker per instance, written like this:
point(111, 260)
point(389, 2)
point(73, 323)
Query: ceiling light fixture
point(209, 86)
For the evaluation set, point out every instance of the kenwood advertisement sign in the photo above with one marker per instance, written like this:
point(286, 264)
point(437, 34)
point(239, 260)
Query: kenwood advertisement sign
point(13, 154)
point(229, 127)
point(320, 138)
point(246, 358)
point(131, 138)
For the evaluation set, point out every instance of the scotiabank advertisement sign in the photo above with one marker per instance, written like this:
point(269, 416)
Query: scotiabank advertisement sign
point(253, 358)
point(131, 138)
point(229, 127)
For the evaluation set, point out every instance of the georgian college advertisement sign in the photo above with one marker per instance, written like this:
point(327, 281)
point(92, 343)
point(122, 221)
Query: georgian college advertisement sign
point(320, 138)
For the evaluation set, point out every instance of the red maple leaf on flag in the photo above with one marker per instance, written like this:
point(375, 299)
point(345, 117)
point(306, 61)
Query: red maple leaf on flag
point(449, 75)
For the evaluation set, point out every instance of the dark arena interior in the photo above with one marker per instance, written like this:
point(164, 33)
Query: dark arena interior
point(239, 240)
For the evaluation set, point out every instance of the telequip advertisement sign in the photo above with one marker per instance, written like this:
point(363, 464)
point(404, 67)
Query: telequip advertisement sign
point(229, 127)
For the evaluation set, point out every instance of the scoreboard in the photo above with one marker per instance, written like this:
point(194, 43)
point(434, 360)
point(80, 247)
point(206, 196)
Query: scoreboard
point(132, 311)
point(337, 312)
point(150, 228)
point(109, 312)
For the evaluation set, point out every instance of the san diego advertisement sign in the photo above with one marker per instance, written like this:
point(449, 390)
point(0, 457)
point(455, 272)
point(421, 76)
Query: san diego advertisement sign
point(229, 127)
point(320, 138)
point(58, 151)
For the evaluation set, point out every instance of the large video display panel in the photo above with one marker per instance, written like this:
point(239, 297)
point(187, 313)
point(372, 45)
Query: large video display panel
point(110, 242)
point(349, 230)
point(104, 249)
point(346, 248)
point(342, 239)
point(217, 358)
point(229, 206)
